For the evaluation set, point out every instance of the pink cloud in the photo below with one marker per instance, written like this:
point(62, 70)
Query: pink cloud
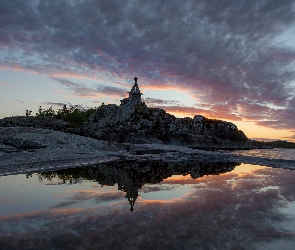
point(4, 84)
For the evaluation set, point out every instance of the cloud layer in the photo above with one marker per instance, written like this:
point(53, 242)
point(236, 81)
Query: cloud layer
point(223, 52)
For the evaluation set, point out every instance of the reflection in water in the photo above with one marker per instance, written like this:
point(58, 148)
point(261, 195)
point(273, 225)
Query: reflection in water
point(251, 207)
point(275, 153)
point(130, 176)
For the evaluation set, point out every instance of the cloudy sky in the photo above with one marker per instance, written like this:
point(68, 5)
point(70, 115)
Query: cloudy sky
point(230, 60)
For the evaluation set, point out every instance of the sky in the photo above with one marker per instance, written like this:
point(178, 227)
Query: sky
point(229, 60)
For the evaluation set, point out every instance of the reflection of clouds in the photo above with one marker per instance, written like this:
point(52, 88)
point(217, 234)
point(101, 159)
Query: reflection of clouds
point(181, 180)
point(57, 195)
point(4, 84)
point(43, 214)
point(211, 216)
point(247, 169)
point(283, 178)
point(148, 188)
point(90, 195)
point(5, 201)
point(54, 184)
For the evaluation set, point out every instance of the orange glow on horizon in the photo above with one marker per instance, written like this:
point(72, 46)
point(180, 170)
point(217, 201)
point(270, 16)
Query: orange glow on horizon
point(148, 86)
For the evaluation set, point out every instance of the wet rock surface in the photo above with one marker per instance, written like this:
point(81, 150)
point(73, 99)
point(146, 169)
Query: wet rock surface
point(59, 150)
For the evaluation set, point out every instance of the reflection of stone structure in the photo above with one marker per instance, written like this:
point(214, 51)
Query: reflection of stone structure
point(131, 195)
point(131, 175)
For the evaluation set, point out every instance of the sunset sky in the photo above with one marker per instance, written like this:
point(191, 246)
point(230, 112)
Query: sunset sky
point(230, 60)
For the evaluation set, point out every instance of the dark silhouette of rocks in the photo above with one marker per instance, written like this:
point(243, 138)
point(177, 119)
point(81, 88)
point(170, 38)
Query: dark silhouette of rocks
point(34, 121)
point(133, 122)
point(153, 125)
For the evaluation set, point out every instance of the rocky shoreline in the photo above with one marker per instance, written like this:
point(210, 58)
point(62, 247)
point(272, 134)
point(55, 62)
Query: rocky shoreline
point(28, 149)
point(134, 123)
point(128, 132)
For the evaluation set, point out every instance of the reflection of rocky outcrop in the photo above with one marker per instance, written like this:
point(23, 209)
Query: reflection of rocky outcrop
point(130, 176)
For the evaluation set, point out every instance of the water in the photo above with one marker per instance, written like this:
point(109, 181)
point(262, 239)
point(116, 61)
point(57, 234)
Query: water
point(131, 205)
point(276, 153)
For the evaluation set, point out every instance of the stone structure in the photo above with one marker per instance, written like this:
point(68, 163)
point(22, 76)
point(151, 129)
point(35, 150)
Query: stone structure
point(130, 104)
point(134, 95)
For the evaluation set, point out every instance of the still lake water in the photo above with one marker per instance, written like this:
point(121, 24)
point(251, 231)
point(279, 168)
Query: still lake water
point(275, 153)
point(129, 205)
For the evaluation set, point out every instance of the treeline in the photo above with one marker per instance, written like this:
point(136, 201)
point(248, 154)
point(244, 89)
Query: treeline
point(280, 144)
point(73, 114)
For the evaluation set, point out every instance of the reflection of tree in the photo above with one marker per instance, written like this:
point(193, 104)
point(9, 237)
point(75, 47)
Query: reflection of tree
point(131, 175)
point(69, 176)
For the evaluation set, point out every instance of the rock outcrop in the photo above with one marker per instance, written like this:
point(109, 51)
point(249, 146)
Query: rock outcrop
point(35, 121)
point(154, 125)
point(134, 122)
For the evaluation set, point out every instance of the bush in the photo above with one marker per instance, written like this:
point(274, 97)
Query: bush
point(73, 115)
point(28, 112)
point(45, 112)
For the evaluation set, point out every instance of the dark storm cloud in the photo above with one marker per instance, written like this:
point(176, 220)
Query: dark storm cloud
point(154, 101)
point(222, 51)
point(112, 91)
point(83, 91)
point(78, 89)
point(59, 104)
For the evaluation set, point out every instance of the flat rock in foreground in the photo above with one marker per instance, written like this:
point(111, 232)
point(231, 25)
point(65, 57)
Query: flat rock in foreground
point(26, 149)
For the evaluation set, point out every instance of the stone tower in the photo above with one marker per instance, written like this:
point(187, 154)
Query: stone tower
point(134, 95)
point(130, 104)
